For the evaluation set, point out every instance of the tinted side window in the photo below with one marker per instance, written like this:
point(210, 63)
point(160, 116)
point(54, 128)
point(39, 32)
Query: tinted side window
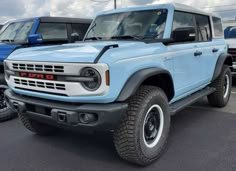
point(217, 26)
point(81, 29)
point(203, 28)
point(53, 31)
point(182, 19)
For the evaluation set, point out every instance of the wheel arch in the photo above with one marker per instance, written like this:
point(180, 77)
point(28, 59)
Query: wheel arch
point(151, 76)
point(224, 59)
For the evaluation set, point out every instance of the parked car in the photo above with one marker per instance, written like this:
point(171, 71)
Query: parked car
point(230, 36)
point(35, 32)
point(137, 68)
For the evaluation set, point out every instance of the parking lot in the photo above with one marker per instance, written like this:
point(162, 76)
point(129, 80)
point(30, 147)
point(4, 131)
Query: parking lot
point(202, 138)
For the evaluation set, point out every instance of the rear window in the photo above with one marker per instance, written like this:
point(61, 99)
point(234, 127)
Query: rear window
point(217, 26)
point(53, 31)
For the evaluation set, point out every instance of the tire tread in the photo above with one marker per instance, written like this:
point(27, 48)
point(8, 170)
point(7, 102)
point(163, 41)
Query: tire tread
point(125, 134)
point(36, 127)
point(216, 99)
point(8, 114)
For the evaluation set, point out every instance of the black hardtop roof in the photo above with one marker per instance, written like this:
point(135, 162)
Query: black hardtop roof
point(64, 20)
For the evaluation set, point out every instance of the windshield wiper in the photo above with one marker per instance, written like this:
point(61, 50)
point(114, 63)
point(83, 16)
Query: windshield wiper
point(126, 37)
point(7, 40)
point(92, 27)
point(93, 38)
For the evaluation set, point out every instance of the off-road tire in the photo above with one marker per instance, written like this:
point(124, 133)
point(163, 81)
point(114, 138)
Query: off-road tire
point(8, 113)
point(129, 136)
point(217, 98)
point(37, 127)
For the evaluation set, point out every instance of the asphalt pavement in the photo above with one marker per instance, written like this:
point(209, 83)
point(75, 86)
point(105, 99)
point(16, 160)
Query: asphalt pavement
point(201, 138)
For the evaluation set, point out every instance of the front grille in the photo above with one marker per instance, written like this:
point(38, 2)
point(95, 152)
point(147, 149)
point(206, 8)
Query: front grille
point(36, 77)
point(38, 67)
point(233, 53)
point(39, 84)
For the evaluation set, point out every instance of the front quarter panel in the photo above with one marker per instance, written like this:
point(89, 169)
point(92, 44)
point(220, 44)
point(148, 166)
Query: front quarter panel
point(123, 69)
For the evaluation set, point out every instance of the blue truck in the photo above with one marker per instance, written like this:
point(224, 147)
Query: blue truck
point(34, 32)
point(135, 69)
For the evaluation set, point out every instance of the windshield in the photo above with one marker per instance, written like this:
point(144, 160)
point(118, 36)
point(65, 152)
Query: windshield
point(16, 32)
point(129, 25)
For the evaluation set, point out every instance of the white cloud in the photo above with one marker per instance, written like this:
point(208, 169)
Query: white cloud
point(13, 9)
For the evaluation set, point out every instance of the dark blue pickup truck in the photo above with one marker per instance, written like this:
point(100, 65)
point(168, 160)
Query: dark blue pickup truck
point(30, 32)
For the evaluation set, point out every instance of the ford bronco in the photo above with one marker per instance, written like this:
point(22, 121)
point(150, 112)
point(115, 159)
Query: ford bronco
point(135, 69)
point(35, 32)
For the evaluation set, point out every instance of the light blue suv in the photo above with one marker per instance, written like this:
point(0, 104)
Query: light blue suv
point(135, 68)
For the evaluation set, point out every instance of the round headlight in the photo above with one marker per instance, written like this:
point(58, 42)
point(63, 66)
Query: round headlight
point(95, 81)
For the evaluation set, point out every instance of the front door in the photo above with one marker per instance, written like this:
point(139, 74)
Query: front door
point(190, 58)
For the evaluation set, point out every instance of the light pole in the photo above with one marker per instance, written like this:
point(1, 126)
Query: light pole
point(115, 4)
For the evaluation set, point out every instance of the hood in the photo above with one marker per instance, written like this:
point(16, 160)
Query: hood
point(6, 50)
point(231, 43)
point(79, 52)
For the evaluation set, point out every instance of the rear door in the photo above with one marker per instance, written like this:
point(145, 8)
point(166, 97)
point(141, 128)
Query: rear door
point(219, 44)
point(206, 46)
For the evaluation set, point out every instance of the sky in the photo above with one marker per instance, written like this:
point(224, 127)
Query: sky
point(14, 9)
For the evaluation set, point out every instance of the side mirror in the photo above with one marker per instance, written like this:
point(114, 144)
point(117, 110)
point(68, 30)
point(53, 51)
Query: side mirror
point(35, 39)
point(185, 34)
point(75, 37)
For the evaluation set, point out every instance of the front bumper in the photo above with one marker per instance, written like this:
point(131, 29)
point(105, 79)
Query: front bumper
point(102, 117)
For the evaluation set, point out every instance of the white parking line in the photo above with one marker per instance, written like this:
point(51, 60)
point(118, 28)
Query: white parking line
point(233, 92)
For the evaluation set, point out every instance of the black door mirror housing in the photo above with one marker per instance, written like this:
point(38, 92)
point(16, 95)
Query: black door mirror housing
point(184, 34)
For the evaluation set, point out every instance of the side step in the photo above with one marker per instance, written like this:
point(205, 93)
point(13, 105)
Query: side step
point(181, 104)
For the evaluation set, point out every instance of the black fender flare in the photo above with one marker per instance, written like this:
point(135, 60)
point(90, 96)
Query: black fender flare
point(224, 58)
point(135, 81)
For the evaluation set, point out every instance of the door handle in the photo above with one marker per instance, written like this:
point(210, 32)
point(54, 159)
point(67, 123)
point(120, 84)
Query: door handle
point(197, 53)
point(215, 50)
